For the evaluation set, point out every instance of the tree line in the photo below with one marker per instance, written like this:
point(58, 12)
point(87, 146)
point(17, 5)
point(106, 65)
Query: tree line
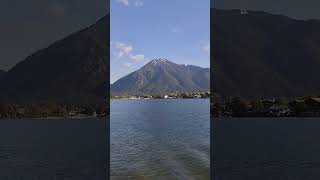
point(43, 110)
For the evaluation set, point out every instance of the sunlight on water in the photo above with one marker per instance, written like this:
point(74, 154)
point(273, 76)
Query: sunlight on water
point(160, 139)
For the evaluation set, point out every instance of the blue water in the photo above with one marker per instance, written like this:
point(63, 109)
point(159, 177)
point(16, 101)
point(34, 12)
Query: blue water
point(160, 139)
point(53, 149)
point(266, 148)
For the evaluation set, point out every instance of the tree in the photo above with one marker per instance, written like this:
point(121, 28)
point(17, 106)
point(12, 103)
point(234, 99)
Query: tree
point(239, 105)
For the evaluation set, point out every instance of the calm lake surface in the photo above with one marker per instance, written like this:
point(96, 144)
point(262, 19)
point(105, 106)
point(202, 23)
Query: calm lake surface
point(53, 149)
point(266, 149)
point(160, 139)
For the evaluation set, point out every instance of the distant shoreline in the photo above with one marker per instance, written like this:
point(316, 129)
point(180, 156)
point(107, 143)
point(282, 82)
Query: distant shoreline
point(177, 95)
point(54, 118)
point(156, 98)
point(265, 107)
point(53, 111)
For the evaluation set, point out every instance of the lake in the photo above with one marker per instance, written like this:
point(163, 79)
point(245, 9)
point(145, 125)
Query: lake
point(160, 139)
point(53, 149)
point(266, 148)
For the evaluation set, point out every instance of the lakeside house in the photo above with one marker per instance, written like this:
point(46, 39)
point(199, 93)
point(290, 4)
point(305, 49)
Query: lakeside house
point(175, 95)
point(197, 96)
point(74, 113)
point(267, 103)
point(243, 11)
point(20, 111)
point(313, 104)
point(279, 110)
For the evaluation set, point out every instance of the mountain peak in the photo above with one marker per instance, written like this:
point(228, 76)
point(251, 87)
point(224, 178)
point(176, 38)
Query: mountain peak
point(161, 76)
point(160, 61)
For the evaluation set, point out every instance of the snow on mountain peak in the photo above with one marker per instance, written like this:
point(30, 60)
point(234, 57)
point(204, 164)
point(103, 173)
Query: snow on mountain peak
point(160, 61)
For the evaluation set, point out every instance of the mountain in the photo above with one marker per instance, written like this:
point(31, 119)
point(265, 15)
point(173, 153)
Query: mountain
point(259, 54)
point(162, 76)
point(69, 70)
point(2, 74)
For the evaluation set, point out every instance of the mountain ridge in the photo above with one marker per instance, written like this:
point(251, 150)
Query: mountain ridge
point(258, 54)
point(68, 70)
point(2, 74)
point(160, 76)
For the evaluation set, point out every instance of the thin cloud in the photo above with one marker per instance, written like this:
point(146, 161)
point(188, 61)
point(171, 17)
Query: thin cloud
point(119, 54)
point(206, 48)
point(122, 50)
point(137, 58)
point(124, 2)
point(127, 64)
point(174, 30)
point(124, 47)
point(138, 4)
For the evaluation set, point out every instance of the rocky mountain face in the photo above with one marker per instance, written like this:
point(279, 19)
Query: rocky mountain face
point(2, 74)
point(162, 76)
point(70, 70)
point(264, 55)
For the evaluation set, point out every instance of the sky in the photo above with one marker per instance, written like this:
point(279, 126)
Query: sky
point(143, 30)
point(27, 26)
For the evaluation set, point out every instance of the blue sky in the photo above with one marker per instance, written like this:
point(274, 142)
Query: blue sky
point(142, 30)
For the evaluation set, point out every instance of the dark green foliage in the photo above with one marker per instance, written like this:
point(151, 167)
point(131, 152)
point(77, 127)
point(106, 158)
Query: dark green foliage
point(72, 70)
point(49, 110)
point(2, 73)
point(263, 55)
point(255, 107)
